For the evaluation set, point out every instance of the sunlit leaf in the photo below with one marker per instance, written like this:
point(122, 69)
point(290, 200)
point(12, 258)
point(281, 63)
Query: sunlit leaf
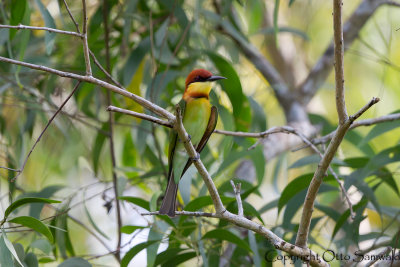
point(23, 201)
point(34, 224)
point(135, 250)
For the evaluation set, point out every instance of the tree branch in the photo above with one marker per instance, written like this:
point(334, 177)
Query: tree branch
point(21, 27)
point(85, 40)
point(339, 55)
point(140, 116)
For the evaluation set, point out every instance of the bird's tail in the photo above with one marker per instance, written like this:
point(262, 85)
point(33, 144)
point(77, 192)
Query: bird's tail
point(169, 201)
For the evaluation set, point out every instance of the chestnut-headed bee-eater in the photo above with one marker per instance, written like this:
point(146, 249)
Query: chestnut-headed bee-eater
point(199, 119)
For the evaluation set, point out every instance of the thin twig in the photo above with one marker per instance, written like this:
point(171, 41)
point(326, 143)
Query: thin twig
point(108, 75)
point(44, 130)
point(21, 27)
point(140, 116)
point(236, 190)
point(72, 17)
point(85, 40)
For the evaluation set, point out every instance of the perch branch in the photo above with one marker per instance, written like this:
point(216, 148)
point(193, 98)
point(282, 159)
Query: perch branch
point(140, 116)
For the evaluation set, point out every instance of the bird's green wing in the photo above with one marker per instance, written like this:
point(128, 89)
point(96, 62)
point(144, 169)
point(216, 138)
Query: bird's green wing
point(212, 122)
point(173, 140)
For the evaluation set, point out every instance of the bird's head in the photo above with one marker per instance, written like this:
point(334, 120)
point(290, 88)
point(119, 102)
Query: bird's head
point(198, 83)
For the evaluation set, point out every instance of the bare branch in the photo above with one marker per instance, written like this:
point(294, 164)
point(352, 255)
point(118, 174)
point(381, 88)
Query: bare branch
point(236, 190)
point(320, 173)
point(108, 75)
point(140, 116)
point(339, 55)
point(21, 27)
point(44, 130)
point(71, 16)
point(85, 40)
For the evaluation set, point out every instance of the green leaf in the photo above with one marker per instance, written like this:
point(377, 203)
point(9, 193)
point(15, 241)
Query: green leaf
point(156, 233)
point(180, 258)
point(233, 88)
point(43, 245)
point(293, 188)
point(27, 200)
point(31, 260)
point(47, 192)
point(49, 22)
point(254, 248)
point(137, 201)
point(17, 14)
point(129, 229)
point(5, 254)
point(198, 203)
point(167, 255)
point(34, 224)
point(226, 235)
point(135, 59)
point(135, 250)
point(74, 262)
point(10, 247)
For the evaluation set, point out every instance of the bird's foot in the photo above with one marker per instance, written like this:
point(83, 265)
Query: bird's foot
point(196, 158)
point(189, 138)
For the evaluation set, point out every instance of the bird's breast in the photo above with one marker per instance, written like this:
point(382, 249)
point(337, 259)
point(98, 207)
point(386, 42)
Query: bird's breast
point(195, 119)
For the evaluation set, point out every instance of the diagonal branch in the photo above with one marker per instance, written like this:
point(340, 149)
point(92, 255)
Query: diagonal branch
point(320, 173)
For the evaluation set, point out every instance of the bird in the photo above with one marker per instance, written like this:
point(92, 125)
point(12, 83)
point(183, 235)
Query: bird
point(199, 118)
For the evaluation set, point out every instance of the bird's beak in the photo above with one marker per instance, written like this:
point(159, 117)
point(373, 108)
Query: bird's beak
point(215, 78)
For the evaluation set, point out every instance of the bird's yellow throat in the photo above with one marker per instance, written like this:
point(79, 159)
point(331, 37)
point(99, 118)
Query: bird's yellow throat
point(197, 89)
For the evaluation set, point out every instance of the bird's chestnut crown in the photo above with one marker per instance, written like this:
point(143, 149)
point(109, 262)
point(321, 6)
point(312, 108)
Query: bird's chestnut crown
point(201, 75)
